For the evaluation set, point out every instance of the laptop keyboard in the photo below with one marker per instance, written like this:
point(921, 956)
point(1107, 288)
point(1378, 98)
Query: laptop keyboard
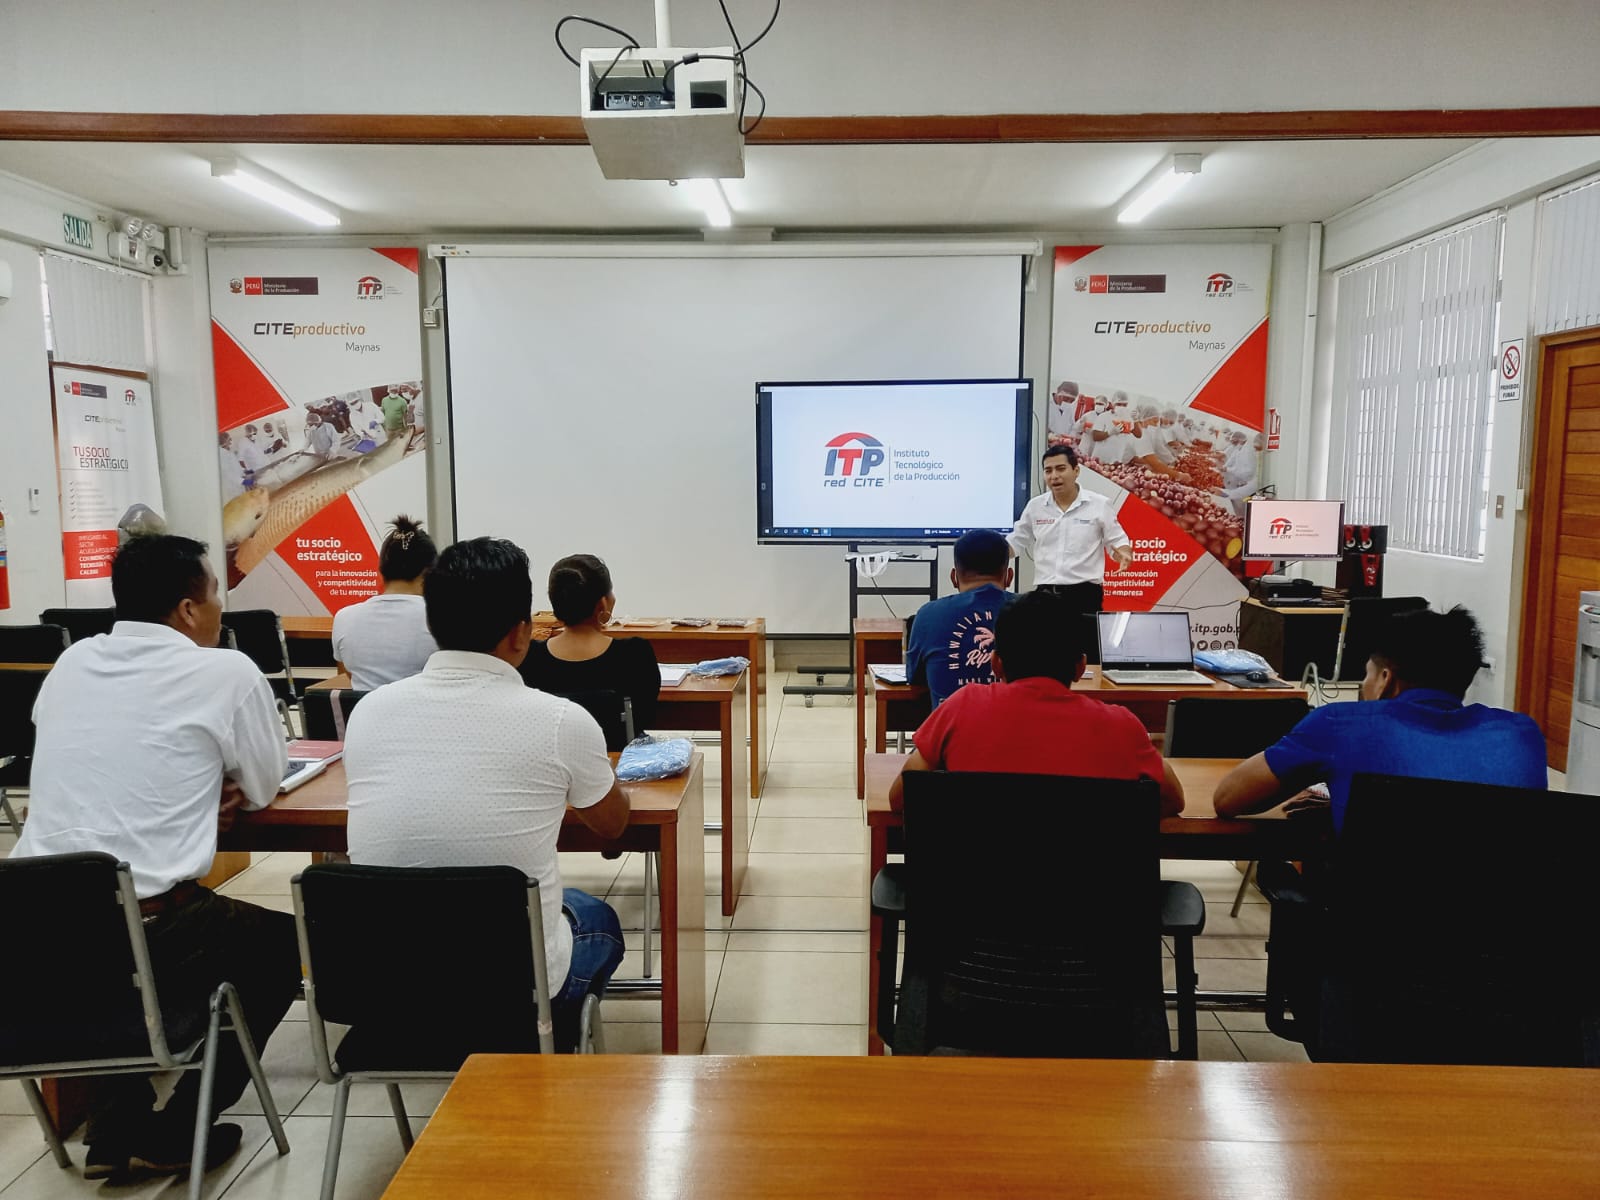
point(1188, 677)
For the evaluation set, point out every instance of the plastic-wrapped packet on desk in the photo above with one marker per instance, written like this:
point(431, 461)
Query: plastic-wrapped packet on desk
point(1230, 662)
point(720, 666)
point(647, 758)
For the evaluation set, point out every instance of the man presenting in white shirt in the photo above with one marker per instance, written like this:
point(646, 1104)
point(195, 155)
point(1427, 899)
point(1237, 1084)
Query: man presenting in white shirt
point(464, 765)
point(149, 738)
point(1069, 532)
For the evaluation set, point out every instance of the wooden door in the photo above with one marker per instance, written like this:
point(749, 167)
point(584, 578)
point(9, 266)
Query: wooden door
point(1563, 530)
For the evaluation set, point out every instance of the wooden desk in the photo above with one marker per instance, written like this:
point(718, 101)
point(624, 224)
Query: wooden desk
point(770, 1128)
point(715, 705)
point(902, 707)
point(309, 628)
point(668, 816)
point(1198, 833)
point(686, 644)
point(875, 640)
point(672, 643)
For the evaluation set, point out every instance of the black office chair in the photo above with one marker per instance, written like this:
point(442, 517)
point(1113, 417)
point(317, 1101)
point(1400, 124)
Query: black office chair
point(18, 691)
point(87, 1001)
point(1208, 727)
point(258, 635)
point(325, 713)
point(1403, 961)
point(427, 966)
point(1035, 960)
point(1364, 619)
point(32, 643)
point(79, 623)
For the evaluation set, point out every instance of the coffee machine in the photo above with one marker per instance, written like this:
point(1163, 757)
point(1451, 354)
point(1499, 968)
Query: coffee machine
point(1360, 570)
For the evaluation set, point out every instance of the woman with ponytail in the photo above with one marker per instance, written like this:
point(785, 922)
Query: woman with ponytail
point(386, 637)
point(583, 657)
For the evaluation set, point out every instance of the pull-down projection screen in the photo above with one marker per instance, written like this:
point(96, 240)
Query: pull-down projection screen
point(607, 405)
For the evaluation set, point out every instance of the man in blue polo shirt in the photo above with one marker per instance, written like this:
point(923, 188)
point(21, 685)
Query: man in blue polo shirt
point(952, 638)
point(1417, 726)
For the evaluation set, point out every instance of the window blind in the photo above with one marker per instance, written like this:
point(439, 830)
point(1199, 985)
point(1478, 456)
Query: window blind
point(1414, 340)
point(1567, 279)
point(97, 314)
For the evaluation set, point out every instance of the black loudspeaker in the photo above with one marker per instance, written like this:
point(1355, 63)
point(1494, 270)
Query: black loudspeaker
point(1360, 571)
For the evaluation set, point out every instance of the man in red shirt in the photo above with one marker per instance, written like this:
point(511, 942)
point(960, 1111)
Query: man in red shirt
point(1030, 722)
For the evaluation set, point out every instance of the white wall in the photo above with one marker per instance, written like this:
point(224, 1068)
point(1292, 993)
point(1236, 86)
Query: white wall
point(27, 444)
point(824, 57)
point(186, 400)
point(1494, 174)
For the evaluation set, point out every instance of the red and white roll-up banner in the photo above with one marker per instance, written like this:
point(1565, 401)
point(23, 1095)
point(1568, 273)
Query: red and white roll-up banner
point(320, 418)
point(1158, 373)
point(109, 474)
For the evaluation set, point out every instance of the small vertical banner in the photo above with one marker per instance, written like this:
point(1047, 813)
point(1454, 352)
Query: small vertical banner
point(5, 577)
point(1274, 428)
point(110, 476)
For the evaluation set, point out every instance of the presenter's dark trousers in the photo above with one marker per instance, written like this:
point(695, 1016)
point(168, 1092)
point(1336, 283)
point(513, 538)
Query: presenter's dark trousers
point(1087, 599)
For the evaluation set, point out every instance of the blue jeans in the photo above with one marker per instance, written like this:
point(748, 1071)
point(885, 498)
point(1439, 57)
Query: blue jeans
point(596, 952)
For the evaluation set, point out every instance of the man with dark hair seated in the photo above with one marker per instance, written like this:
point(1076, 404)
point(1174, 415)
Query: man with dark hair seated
point(1029, 721)
point(464, 766)
point(149, 738)
point(1418, 674)
point(952, 637)
point(1417, 725)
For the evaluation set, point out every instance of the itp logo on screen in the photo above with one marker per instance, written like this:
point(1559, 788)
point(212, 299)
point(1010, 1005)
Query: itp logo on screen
point(852, 457)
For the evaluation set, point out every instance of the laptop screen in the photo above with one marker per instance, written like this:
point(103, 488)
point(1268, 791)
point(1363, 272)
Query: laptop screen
point(1145, 639)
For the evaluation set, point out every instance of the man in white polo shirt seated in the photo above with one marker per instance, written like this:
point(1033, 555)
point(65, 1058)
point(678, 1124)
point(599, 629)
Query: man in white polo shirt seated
point(149, 739)
point(464, 765)
point(1070, 531)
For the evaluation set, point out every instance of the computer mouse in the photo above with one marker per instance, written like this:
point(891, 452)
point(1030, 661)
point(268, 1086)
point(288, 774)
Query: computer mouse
point(1256, 676)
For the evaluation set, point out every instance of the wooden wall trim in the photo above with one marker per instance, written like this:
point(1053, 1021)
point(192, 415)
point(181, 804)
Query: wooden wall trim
point(430, 129)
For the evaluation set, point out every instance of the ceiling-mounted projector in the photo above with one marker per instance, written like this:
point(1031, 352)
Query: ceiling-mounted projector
point(662, 113)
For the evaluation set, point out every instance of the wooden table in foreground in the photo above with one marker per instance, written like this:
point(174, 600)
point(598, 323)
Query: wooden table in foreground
point(771, 1128)
point(668, 816)
point(717, 705)
point(672, 643)
point(1197, 834)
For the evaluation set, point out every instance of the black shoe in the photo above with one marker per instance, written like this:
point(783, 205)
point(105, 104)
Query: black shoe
point(168, 1156)
point(105, 1160)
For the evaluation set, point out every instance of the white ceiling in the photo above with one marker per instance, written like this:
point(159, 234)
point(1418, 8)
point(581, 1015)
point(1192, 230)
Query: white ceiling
point(446, 189)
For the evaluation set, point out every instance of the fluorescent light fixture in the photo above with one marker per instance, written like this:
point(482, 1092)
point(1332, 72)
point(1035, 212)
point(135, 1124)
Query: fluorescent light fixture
point(280, 193)
point(1158, 187)
point(709, 196)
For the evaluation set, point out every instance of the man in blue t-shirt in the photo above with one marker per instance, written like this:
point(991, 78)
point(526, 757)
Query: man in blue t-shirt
point(1417, 677)
point(952, 638)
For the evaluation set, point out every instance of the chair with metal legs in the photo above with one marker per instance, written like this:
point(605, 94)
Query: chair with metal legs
point(90, 1005)
point(427, 966)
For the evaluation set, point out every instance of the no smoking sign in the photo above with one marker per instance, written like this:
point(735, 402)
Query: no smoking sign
point(1510, 370)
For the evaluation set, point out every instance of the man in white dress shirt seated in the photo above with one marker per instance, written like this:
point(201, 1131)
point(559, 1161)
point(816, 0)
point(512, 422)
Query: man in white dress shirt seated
point(1070, 531)
point(464, 765)
point(149, 739)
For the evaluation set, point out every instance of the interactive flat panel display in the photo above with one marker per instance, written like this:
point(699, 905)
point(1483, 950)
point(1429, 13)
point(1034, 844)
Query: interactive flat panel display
point(896, 461)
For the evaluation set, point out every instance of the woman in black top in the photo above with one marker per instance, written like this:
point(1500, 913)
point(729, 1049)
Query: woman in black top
point(583, 658)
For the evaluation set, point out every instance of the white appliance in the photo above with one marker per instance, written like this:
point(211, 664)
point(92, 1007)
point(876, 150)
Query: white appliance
point(1583, 747)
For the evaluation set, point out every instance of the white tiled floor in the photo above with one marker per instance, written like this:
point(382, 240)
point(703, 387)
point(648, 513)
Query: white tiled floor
point(785, 975)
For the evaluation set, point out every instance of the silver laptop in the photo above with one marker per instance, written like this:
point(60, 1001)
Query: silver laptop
point(1148, 647)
